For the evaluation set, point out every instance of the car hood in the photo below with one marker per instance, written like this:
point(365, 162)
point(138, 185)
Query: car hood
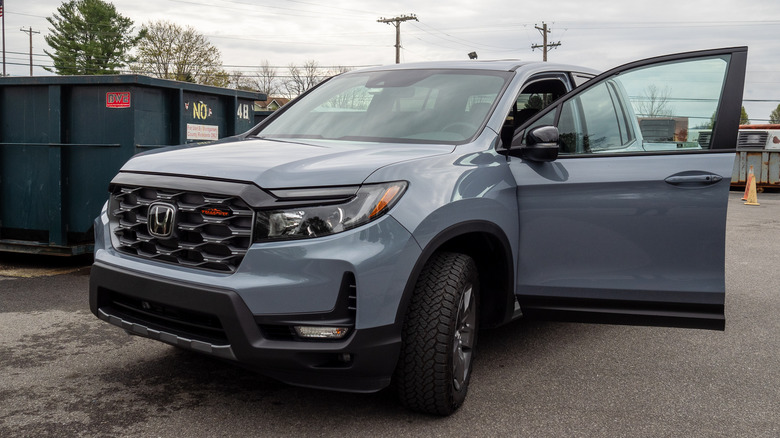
point(281, 164)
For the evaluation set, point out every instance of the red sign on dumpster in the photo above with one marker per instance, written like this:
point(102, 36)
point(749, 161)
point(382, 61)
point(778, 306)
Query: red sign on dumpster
point(118, 99)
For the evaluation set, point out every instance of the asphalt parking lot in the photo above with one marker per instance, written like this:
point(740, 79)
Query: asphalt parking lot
point(65, 373)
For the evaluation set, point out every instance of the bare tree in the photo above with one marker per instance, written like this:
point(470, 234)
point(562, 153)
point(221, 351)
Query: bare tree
point(170, 51)
point(338, 70)
point(240, 81)
point(655, 102)
point(267, 79)
point(302, 78)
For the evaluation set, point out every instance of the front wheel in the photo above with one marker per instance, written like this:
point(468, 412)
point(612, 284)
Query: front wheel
point(439, 336)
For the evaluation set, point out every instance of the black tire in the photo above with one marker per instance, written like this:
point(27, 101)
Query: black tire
point(439, 336)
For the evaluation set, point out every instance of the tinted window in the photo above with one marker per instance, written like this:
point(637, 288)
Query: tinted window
point(602, 126)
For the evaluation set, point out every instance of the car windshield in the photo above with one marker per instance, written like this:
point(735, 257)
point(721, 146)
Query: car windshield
point(396, 106)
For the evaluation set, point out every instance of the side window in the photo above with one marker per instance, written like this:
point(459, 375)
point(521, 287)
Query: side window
point(534, 97)
point(602, 125)
point(661, 108)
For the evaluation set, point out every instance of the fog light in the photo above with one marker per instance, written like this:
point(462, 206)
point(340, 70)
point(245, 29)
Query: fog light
point(306, 331)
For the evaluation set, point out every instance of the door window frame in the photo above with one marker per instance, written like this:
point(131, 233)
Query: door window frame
point(726, 126)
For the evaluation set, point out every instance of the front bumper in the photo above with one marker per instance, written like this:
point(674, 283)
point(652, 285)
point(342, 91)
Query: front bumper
point(363, 362)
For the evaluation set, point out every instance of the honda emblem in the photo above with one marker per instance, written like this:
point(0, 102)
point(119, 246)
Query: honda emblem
point(160, 220)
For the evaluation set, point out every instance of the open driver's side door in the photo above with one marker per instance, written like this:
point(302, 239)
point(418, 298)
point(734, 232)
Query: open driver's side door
point(627, 224)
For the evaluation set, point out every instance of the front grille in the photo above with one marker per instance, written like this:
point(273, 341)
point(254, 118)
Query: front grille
point(215, 240)
point(752, 139)
point(175, 320)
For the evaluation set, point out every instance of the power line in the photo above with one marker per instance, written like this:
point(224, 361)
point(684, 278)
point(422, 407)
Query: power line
point(292, 11)
point(670, 25)
point(287, 41)
point(242, 66)
point(25, 53)
point(456, 40)
point(250, 67)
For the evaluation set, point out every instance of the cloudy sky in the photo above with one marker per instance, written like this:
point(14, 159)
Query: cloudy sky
point(598, 34)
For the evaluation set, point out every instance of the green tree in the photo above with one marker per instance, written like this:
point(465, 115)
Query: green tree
point(743, 117)
point(89, 37)
point(774, 116)
point(711, 124)
point(169, 51)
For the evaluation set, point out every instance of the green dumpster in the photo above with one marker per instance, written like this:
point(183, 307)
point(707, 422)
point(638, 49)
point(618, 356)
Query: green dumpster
point(63, 138)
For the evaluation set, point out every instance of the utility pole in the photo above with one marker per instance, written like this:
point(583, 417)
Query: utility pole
point(2, 16)
point(31, 32)
point(546, 46)
point(396, 21)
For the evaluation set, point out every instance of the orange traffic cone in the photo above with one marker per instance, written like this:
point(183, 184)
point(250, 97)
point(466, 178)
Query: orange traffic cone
point(750, 190)
point(747, 184)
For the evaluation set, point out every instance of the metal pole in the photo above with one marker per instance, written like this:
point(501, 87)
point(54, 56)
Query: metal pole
point(2, 11)
point(31, 32)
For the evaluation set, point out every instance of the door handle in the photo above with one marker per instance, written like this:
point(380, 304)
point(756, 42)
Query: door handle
point(694, 180)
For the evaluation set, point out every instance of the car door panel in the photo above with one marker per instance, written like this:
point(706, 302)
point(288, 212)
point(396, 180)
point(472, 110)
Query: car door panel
point(610, 229)
point(631, 232)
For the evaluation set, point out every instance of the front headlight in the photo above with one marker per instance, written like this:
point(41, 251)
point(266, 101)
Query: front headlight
point(369, 202)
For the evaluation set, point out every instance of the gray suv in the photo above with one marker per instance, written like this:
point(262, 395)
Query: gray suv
point(366, 231)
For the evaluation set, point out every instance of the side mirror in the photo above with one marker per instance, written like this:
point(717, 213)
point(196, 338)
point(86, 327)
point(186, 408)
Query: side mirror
point(541, 144)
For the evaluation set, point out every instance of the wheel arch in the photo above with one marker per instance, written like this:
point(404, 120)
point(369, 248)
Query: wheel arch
point(487, 244)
